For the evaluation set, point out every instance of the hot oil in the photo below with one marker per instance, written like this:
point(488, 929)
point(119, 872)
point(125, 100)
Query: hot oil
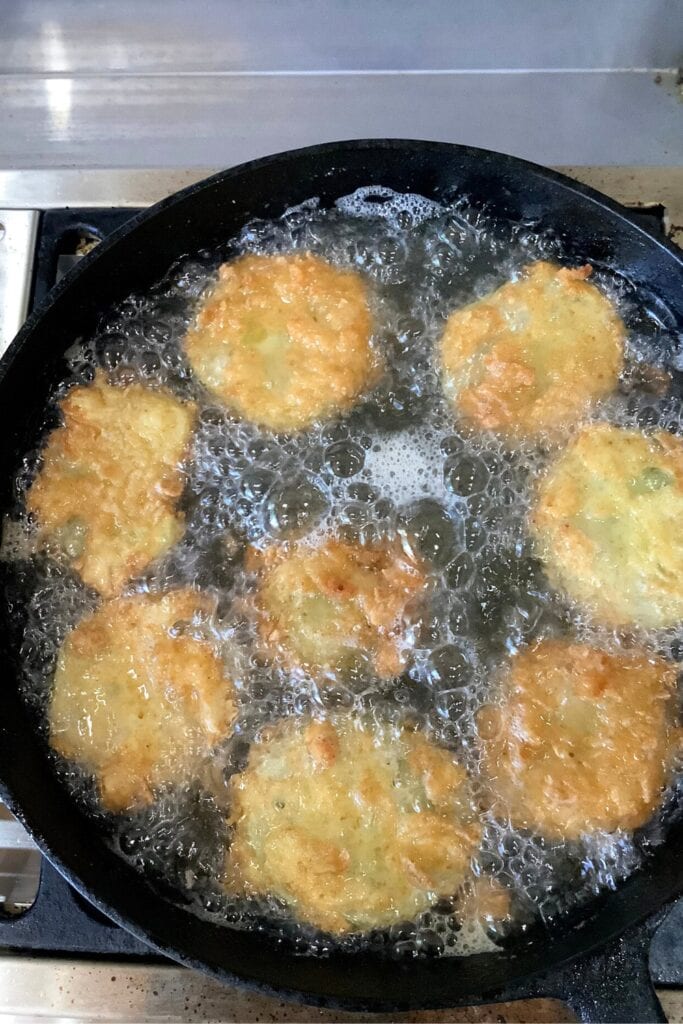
point(396, 466)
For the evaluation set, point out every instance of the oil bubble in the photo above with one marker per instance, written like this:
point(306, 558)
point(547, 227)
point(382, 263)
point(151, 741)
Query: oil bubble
point(449, 666)
point(345, 458)
point(295, 507)
point(428, 531)
point(466, 475)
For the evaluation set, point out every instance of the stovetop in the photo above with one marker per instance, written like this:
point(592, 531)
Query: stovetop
point(72, 962)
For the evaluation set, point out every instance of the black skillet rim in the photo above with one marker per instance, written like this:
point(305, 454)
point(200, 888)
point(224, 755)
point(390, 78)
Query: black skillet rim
point(571, 184)
point(345, 980)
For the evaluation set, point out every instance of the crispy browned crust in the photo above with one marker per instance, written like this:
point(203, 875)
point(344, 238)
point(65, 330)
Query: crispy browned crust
point(607, 525)
point(318, 606)
point(354, 826)
point(284, 340)
point(137, 703)
point(581, 741)
point(530, 358)
point(111, 475)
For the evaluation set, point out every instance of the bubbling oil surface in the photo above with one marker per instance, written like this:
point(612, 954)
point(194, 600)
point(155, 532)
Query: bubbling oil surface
point(397, 465)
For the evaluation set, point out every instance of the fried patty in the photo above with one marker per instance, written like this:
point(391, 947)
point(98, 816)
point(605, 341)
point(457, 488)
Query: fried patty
point(105, 496)
point(354, 826)
point(581, 741)
point(284, 340)
point(607, 524)
point(322, 607)
point(136, 701)
point(530, 358)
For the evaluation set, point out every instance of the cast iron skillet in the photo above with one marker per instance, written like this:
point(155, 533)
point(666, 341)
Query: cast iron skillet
point(568, 962)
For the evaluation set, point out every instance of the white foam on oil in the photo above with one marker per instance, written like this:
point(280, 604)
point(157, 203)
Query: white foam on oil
point(406, 466)
point(373, 201)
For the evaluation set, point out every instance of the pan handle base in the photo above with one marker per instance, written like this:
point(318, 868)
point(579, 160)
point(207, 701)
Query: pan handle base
point(62, 920)
point(613, 985)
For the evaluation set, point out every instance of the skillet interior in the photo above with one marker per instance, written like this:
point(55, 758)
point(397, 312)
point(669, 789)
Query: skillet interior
point(200, 217)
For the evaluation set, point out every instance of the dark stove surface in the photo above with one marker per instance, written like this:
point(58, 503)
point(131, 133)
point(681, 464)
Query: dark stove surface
point(64, 236)
point(60, 920)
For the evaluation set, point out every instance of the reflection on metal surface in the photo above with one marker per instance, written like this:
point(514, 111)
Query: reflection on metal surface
point(59, 93)
point(19, 865)
point(57, 188)
point(68, 36)
point(85, 990)
point(595, 117)
point(17, 245)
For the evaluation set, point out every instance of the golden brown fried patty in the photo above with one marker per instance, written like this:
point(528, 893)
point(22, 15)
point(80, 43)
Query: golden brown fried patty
point(529, 359)
point(135, 701)
point(323, 606)
point(284, 340)
point(355, 827)
point(106, 493)
point(607, 524)
point(582, 740)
